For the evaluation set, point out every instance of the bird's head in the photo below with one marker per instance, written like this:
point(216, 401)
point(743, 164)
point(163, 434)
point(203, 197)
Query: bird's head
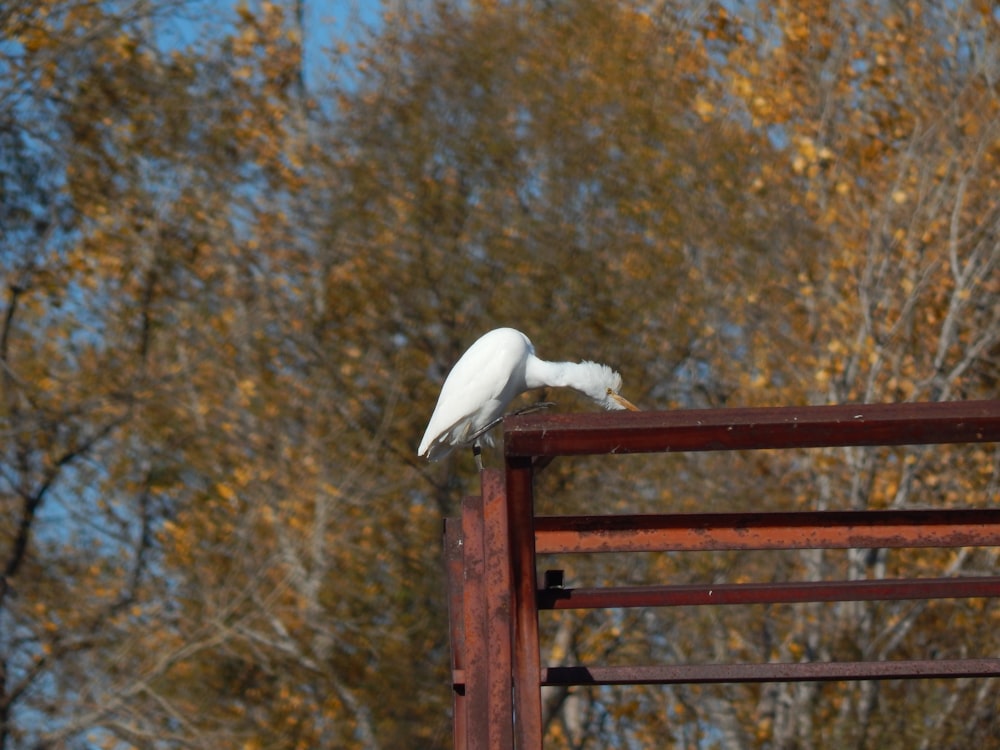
point(603, 386)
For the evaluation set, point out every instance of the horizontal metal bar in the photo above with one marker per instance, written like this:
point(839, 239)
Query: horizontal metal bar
point(769, 593)
point(782, 672)
point(964, 527)
point(752, 428)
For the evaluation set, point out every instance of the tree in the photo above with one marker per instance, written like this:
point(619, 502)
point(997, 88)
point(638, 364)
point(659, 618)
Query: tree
point(230, 300)
point(75, 548)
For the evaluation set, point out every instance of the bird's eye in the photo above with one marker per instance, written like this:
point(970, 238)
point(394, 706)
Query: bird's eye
point(610, 391)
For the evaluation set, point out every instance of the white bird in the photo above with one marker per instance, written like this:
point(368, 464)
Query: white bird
point(492, 372)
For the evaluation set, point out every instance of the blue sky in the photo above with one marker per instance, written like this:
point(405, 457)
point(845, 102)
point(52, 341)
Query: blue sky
point(328, 21)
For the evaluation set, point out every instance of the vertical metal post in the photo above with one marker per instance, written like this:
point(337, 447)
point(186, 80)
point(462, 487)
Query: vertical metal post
point(454, 572)
point(526, 661)
point(474, 623)
point(498, 610)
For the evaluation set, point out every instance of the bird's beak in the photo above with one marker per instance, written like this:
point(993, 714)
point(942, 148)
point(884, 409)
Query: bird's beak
point(624, 402)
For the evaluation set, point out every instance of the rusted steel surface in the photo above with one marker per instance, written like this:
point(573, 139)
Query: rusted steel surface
point(781, 672)
point(476, 659)
point(885, 589)
point(491, 555)
point(454, 571)
point(540, 435)
point(497, 610)
point(965, 527)
point(526, 661)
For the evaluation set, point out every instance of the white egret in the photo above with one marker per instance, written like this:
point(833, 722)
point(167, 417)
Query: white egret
point(492, 372)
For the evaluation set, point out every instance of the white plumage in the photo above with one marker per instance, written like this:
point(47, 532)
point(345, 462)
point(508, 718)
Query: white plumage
point(491, 373)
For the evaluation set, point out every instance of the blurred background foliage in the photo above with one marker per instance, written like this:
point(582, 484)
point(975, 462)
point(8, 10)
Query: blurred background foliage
point(235, 275)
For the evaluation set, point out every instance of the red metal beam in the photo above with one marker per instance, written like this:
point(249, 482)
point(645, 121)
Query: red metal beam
point(476, 657)
point(966, 527)
point(539, 434)
point(454, 572)
point(497, 611)
point(526, 672)
point(781, 672)
point(885, 589)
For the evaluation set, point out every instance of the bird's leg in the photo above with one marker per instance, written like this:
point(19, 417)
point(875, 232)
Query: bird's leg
point(531, 408)
point(525, 410)
point(479, 433)
point(477, 450)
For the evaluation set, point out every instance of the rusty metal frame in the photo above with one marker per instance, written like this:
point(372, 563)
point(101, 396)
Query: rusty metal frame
point(490, 553)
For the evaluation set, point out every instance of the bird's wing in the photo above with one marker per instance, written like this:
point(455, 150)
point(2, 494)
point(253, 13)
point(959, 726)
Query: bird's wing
point(478, 388)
